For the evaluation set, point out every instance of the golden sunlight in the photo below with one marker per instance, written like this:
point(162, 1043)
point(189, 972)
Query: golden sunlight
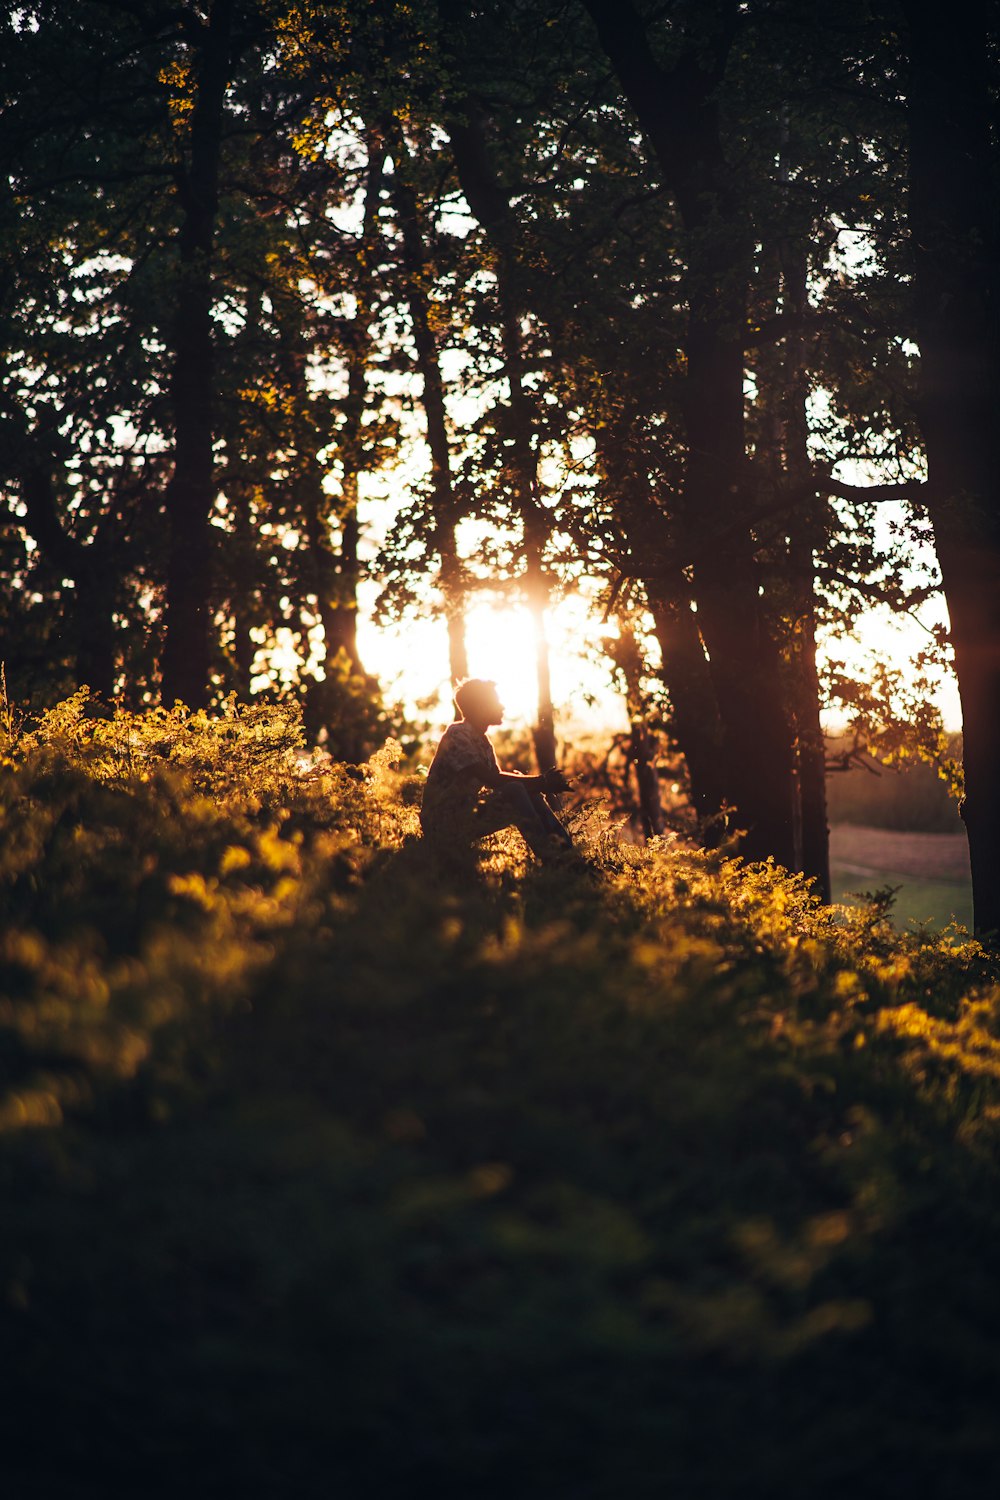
point(411, 661)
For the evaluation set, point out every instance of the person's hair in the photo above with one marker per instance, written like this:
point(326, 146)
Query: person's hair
point(472, 692)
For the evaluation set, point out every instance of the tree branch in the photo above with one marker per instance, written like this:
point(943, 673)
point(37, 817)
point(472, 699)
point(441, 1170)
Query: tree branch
point(878, 494)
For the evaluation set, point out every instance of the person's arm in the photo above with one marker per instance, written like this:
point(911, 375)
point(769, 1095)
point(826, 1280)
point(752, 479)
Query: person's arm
point(549, 781)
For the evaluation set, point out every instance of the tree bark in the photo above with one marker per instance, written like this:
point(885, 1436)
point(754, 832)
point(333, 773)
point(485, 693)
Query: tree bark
point(805, 536)
point(191, 492)
point(694, 716)
point(641, 745)
point(446, 510)
point(953, 172)
point(88, 566)
point(244, 645)
point(95, 629)
point(677, 112)
point(340, 611)
point(490, 204)
point(651, 555)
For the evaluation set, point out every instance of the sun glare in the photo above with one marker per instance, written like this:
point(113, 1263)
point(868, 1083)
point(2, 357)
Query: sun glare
point(501, 646)
point(411, 660)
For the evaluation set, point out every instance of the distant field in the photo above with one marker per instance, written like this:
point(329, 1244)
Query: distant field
point(931, 869)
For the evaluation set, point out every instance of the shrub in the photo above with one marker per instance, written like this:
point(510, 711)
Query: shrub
point(326, 1171)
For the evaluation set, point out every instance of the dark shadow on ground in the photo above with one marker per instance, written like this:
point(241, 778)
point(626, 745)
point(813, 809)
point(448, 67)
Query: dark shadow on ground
point(480, 1196)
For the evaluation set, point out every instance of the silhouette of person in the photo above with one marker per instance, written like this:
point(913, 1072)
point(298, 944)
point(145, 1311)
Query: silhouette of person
point(468, 797)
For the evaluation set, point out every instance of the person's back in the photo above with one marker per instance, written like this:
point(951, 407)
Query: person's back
point(463, 765)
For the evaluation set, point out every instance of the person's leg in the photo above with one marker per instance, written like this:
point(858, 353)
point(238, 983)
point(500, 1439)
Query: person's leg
point(518, 807)
point(548, 819)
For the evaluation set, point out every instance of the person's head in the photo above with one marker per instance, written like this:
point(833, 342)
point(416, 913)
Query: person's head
point(476, 700)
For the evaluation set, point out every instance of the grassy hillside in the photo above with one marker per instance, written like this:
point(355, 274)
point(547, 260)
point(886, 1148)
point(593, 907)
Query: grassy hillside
point(329, 1172)
point(929, 872)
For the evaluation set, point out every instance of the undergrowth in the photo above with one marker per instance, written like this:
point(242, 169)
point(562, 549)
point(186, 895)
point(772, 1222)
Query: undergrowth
point(330, 1171)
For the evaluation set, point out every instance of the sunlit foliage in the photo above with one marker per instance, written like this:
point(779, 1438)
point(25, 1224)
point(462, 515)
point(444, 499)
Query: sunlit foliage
point(362, 1179)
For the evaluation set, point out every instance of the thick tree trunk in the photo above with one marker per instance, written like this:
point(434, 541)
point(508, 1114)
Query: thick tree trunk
point(96, 659)
point(89, 566)
point(679, 117)
point(191, 493)
point(756, 750)
point(650, 554)
point(953, 179)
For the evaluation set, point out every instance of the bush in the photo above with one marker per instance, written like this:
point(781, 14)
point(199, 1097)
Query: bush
point(326, 1172)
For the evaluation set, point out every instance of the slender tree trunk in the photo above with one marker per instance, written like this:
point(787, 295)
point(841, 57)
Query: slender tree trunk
point(332, 705)
point(191, 492)
point(243, 543)
point(242, 571)
point(805, 532)
point(490, 204)
point(340, 610)
point(446, 509)
point(642, 754)
point(340, 614)
point(694, 716)
point(322, 558)
point(953, 176)
point(641, 746)
point(533, 516)
point(782, 454)
point(244, 652)
point(543, 733)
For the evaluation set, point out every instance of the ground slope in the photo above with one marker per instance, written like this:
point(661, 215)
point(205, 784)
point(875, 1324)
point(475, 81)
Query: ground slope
point(331, 1172)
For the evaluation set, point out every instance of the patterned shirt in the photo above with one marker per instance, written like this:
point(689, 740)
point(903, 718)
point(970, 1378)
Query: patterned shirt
point(463, 764)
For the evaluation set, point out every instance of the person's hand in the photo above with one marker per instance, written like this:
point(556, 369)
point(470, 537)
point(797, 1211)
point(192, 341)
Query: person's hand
point(554, 781)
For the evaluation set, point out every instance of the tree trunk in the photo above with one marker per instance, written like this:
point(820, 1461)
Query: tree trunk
point(89, 566)
point(490, 204)
point(243, 578)
point(446, 509)
point(756, 755)
point(95, 626)
point(641, 746)
point(805, 530)
point(953, 169)
point(694, 717)
point(543, 732)
point(642, 754)
point(340, 611)
point(191, 492)
point(678, 114)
